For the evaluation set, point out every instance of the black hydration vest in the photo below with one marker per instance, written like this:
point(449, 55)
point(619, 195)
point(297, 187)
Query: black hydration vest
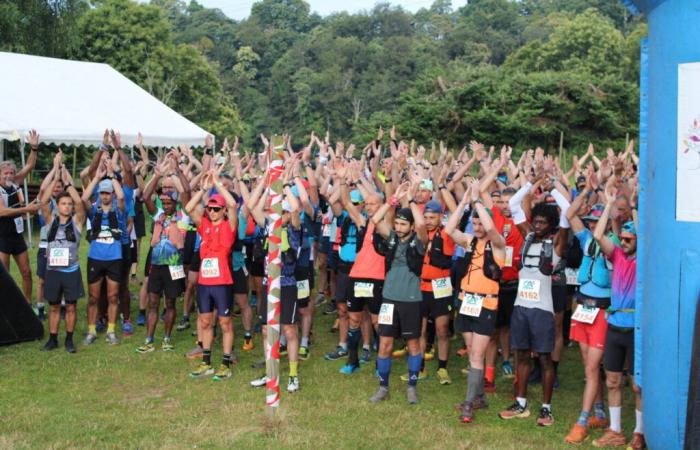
point(96, 225)
point(69, 230)
point(546, 255)
point(387, 249)
point(437, 256)
point(491, 270)
point(350, 231)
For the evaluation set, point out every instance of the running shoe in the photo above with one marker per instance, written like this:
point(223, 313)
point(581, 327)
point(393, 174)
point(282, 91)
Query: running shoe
point(338, 353)
point(507, 369)
point(184, 324)
point(195, 353)
point(429, 355)
point(127, 328)
point(70, 347)
point(41, 314)
point(466, 413)
point(480, 402)
point(259, 382)
point(304, 352)
point(330, 309)
point(293, 384)
point(167, 345)
point(597, 422)
point(50, 345)
point(89, 339)
point(222, 373)
point(111, 338)
point(202, 370)
point(400, 353)
point(349, 369)
point(411, 395)
point(422, 375)
point(147, 347)
point(489, 387)
point(443, 377)
point(515, 411)
point(320, 300)
point(610, 439)
point(577, 435)
point(381, 395)
point(141, 319)
point(248, 344)
point(253, 300)
point(545, 418)
point(100, 326)
point(365, 356)
point(637, 443)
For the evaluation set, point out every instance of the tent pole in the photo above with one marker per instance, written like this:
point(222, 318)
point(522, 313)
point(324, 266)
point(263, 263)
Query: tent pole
point(26, 191)
point(2, 149)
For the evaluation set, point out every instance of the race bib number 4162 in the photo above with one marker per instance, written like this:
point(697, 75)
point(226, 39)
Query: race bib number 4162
point(529, 290)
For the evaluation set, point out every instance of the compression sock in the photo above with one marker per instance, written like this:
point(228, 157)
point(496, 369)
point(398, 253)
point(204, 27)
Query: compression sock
point(293, 368)
point(206, 356)
point(414, 366)
point(53, 337)
point(384, 369)
point(473, 382)
point(583, 418)
point(490, 374)
point(226, 360)
point(69, 335)
point(353, 342)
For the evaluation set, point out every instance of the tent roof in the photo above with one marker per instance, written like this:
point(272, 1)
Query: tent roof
point(72, 102)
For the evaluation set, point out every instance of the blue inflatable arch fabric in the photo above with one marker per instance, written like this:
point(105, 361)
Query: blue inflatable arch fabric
point(668, 280)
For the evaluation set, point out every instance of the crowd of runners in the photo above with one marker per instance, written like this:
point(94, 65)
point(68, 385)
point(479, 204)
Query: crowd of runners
point(408, 246)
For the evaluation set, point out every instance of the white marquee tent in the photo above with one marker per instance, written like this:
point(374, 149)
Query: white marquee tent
point(72, 102)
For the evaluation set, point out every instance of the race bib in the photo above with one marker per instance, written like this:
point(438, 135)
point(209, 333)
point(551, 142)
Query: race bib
point(176, 272)
point(584, 314)
point(326, 231)
point(471, 305)
point(529, 290)
point(303, 290)
point(210, 268)
point(364, 290)
point(19, 225)
point(442, 287)
point(386, 314)
point(59, 257)
point(509, 257)
point(105, 237)
point(571, 276)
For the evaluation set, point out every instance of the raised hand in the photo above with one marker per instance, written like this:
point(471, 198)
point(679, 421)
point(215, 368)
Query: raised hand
point(116, 139)
point(209, 141)
point(380, 133)
point(33, 139)
point(392, 133)
point(105, 138)
point(139, 139)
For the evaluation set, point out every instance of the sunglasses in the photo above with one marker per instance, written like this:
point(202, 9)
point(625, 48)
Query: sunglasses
point(214, 208)
point(627, 239)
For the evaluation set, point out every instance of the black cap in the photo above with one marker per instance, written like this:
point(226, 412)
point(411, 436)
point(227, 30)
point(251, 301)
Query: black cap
point(405, 214)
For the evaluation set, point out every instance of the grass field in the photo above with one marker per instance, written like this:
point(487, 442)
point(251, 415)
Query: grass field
point(112, 397)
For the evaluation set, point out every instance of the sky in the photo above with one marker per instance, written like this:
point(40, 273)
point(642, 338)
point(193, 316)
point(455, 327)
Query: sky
point(239, 9)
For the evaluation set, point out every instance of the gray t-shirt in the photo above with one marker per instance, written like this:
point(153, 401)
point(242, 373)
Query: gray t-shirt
point(400, 284)
point(535, 288)
point(65, 247)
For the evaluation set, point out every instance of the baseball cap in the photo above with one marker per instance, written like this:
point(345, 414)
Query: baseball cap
point(356, 196)
point(405, 214)
point(216, 200)
point(106, 186)
point(628, 230)
point(433, 206)
point(581, 179)
point(595, 212)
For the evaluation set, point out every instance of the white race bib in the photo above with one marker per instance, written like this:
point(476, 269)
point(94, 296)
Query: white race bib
point(442, 287)
point(584, 314)
point(326, 231)
point(19, 224)
point(571, 276)
point(509, 257)
point(364, 290)
point(303, 290)
point(471, 305)
point(386, 314)
point(176, 272)
point(529, 290)
point(59, 257)
point(210, 268)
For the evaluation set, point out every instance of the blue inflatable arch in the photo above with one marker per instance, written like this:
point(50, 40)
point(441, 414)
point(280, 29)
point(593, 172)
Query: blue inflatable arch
point(668, 274)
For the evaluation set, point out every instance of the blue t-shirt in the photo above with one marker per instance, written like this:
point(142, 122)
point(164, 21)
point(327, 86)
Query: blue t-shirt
point(105, 247)
point(165, 253)
point(595, 272)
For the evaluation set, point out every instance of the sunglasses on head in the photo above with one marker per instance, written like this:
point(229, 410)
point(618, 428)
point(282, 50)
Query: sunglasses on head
point(214, 208)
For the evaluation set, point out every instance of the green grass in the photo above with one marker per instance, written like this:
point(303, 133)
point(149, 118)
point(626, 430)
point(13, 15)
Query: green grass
point(112, 397)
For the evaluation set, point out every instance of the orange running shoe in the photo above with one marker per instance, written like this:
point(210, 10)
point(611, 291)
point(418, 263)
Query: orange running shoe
point(596, 422)
point(248, 345)
point(637, 443)
point(577, 435)
point(610, 439)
